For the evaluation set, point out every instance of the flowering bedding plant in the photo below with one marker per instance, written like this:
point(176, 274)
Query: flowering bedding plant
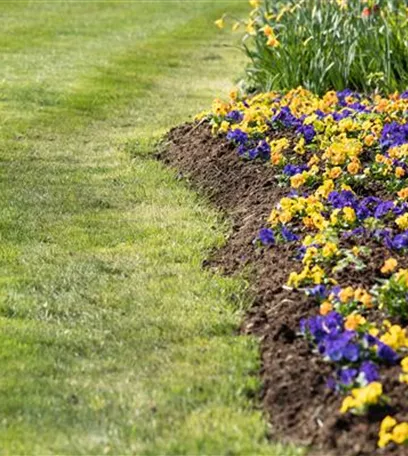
point(343, 159)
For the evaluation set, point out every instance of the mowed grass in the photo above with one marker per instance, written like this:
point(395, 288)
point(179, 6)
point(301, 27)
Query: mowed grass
point(113, 338)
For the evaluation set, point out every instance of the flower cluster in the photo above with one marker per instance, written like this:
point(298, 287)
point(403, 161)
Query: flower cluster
point(391, 431)
point(344, 160)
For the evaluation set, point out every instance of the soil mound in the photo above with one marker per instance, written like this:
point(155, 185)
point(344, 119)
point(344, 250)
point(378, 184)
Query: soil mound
point(299, 405)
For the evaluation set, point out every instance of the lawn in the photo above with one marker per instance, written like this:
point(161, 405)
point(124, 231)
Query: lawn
point(113, 339)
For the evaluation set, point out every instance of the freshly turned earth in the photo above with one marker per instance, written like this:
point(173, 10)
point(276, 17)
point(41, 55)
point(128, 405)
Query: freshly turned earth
point(300, 407)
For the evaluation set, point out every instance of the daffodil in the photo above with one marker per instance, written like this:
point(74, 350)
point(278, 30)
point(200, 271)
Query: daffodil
point(220, 23)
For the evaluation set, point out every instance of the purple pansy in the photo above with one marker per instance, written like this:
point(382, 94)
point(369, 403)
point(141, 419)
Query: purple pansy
point(266, 236)
point(237, 136)
point(234, 116)
point(288, 235)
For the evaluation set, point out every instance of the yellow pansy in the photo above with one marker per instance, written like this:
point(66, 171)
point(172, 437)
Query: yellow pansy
point(334, 173)
point(349, 214)
point(297, 180)
point(362, 397)
point(399, 172)
point(403, 193)
point(325, 307)
point(354, 167)
point(402, 221)
point(329, 249)
point(400, 433)
point(395, 337)
point(353, 321)
point(369, 140)
point(389, 265)
point(346, 294)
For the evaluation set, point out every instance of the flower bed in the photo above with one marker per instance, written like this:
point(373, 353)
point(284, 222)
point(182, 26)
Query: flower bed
point(344, 160)
point(339, 165)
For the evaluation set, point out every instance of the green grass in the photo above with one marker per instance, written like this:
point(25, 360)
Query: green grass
point(113, 339)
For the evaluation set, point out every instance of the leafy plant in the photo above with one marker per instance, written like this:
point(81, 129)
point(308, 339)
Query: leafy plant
point(393, 294)
point(327, 44)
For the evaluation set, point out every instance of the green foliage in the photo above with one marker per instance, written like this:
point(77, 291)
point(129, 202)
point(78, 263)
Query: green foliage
point(393, 295)
point(328, 44)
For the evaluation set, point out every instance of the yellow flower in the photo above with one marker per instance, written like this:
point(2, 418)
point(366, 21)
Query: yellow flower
point(347, 404)
point(402, 276)
point(404, 364)
point(319, 221)
point(330, 98)
point(387, 324)
point(300, 147)
point(308, 222)
point(353, 167)
point(274, 217)
point(346, 187)
point(224, 126)
point(317, 275)
point(276, 158)
point(250, 29)
point(369, 140)
point(403, 378)
point(310, 253)
point(285, 217)
point(273, 42)
point(374, 332)
point(330, 249)
point(387, 424)
point(201, 115)
point(368, 395)
point(380, 158)
point(314, 160)
point(233, 94)
point(326, 307)
point(389, 265)
point(400, 433)
point(402, 221)
point(367, 300)
point(403, 193)
point(335, 172)
point(346, 294)
point(220, 23)
point(384, 440)
point(268, 30)
point(334, 217)
point(346, 124)
point(395, 337)
point(349, 214)
point(353, 321)
point(293, 279)
point(219, 107)
point(255, 3)
point(279, 145)
point(297, 180)
point(399, 172)
point(363, 296)
point(325, 189)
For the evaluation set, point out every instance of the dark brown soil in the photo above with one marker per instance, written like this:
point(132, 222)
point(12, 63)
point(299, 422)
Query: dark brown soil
point(300, 407)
